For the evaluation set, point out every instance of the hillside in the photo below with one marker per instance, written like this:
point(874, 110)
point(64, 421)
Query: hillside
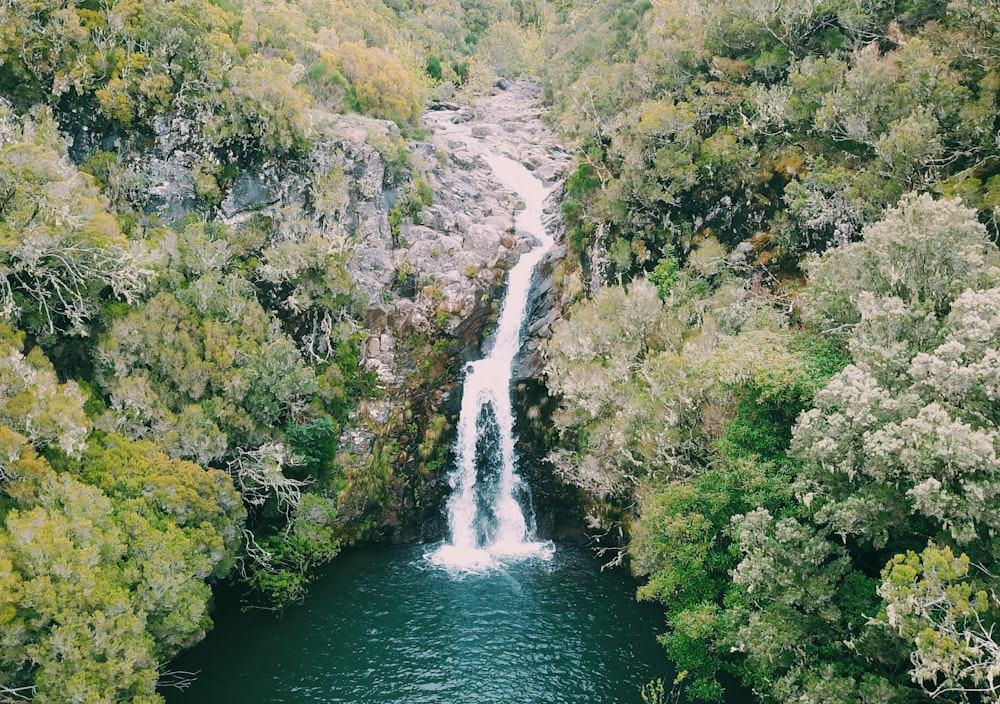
point(224, 356)
point(780, 377)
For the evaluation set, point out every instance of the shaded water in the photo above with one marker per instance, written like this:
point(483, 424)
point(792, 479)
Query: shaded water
point(384, 626)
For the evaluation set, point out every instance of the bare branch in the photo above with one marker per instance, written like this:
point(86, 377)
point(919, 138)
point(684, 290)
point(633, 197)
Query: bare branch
point(16, 694)
point(177, 679)
point(259, 475)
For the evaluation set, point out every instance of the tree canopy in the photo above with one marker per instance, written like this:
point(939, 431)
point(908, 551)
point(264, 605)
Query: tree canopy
point(176, 371)
point(800, 438)
point(776, 373)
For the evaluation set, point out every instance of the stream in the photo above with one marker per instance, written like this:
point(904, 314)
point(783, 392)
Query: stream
point(489, 512)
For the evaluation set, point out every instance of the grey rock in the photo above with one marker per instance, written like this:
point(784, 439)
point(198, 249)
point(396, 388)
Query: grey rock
point(170, 193)
point(443, 270)
point(401, 313)
point(545, 309)
point(251, 192)
point(369, 172)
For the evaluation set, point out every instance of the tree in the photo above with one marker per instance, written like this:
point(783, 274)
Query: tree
point(888, 439)
point(258, 111)
point(313, 293)
point(34, 403)
point(70, 614)
point(824, 208)
point(790, 578)
point(62, 249)
point(211, 345)
point(261, 475)
point(779, 129)
point(905, 276)
point(590, 360)
point(948, 615)
point(900, 447)
point(641, 379)
point(511, 48)
point(104, 569)
point(380, 83)
point(682, 539)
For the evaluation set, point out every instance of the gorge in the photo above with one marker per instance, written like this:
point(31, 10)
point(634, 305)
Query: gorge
point(252, 250)
point(492, 615)
point(490, 515)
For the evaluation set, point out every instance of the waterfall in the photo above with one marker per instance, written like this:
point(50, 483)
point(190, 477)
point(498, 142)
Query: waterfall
point(489, 513)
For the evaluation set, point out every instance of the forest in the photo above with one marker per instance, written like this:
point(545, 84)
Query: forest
point(782, 379)
point(176, 380)
point(776, 375)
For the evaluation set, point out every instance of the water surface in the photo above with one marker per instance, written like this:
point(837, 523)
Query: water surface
point(385, 626)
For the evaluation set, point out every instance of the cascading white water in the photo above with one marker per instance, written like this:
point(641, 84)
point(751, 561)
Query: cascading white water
point(488, 512)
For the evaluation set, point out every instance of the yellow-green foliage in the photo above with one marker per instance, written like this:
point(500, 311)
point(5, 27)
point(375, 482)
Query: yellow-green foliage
point(61, 245)
point(258, 110)
point(382, 86)
point(34, 403)
point(941, 607)
point(786, 125)
point(776, 470)
point(511, 48)
point(104, 569)
point(645, 384)
point(131, 349)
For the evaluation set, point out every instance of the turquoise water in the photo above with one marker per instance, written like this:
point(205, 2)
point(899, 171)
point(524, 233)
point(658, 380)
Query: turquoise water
point(384, 626)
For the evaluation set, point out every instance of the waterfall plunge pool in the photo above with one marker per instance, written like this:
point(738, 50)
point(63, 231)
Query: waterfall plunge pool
point(384, 625)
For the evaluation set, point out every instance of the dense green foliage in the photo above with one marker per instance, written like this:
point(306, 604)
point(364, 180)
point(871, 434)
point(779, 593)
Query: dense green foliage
point(777, 474)
point(788, 398)
point(782, 388)
point(788, 124)
point(173, 389)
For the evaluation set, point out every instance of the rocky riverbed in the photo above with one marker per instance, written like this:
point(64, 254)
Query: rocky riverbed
point(456, 250)
point(437, 274)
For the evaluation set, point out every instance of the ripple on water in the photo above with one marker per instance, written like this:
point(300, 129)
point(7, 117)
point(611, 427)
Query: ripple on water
point(461, 562)
point(388, 627)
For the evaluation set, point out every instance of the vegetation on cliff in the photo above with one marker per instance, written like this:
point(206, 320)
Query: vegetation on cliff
point(779, 375)
point(179, 363)
point(783, 381)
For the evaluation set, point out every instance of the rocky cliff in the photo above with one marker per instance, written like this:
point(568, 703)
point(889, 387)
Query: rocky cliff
point(440, 276)
point(429, 234)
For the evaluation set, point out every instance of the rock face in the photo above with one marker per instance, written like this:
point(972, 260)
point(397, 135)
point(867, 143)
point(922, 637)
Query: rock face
point(510, 123)
point(448, 260)
point(428, 271)
point(545, 309)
